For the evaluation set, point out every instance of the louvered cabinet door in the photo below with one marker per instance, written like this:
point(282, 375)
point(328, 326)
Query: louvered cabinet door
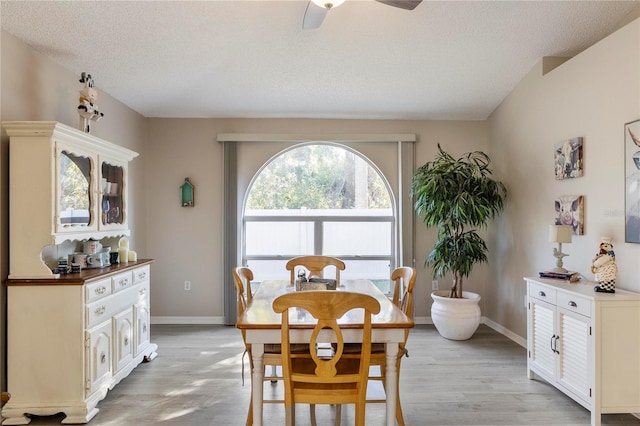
point(574, 353)
point(542, 338)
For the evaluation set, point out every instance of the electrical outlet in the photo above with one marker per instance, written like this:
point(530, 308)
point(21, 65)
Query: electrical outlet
point(434, 285)
point(187, 285)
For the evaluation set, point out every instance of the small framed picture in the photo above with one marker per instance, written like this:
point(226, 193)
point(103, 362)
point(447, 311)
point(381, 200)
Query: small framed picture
point(570, 211)
point(632, 188)
point(568, 159)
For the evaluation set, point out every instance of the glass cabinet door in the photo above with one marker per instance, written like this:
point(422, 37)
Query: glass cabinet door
point(74, 209)
point(112, 190)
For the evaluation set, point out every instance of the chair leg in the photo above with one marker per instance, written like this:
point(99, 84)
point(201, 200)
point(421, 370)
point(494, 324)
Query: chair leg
point(312, 414)
point(250, 413)
point(290, 415)
point(360, 414)
point(338, 414)
point(399, 416)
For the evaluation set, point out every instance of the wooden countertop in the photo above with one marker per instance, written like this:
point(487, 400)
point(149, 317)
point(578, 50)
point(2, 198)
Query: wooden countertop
point(85, 276)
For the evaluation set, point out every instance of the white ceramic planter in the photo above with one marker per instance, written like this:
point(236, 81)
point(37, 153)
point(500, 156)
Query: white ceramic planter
point(455, 319)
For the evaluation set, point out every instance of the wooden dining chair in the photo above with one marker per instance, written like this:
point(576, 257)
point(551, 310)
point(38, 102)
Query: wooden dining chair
point(404, 278)
point(315, 265)
point(326, 378)
point(242, 277)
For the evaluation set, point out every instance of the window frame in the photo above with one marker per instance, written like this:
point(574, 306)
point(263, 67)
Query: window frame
point(245, 153)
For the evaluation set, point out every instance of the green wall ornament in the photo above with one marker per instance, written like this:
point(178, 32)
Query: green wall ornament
point(188, 192)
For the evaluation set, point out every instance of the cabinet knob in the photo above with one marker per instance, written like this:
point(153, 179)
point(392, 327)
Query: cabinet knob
point(100, 290)
point(103, 358)
point(573, 304)
point(542, 294)
point(126, 341)
point(100, 310)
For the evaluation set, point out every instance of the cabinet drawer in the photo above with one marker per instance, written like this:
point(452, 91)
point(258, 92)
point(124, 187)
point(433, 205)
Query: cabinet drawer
point(142, 290)
point(121, 281)
point(97, 290)
point(141, 274)
point(542, 292)
point(574, 303)
point(105, 308)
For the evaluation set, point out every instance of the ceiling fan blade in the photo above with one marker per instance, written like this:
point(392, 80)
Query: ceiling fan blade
point(313, 16)
point(402, 4)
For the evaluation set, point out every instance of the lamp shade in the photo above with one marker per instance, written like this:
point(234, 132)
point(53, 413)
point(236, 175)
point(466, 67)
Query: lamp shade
point(560, 233)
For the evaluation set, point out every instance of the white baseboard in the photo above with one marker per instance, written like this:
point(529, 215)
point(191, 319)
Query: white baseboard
point(422, 320)
point(188, 320)
point(489, 323)
point(505, 332)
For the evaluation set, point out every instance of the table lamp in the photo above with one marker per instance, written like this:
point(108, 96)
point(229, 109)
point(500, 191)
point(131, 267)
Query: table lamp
point(559, 234)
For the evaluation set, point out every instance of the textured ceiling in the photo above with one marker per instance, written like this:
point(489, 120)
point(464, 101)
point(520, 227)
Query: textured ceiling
point(443, 60)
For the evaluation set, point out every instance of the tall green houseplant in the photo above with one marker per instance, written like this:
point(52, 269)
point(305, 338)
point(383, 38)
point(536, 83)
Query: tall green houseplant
point(458, 196)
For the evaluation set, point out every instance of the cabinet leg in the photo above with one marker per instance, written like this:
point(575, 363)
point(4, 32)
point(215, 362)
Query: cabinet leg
point(595, 418)
point(150, 357)
point(14, 418)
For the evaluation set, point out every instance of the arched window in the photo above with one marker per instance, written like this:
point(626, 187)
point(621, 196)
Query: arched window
point(323, 199)
point(264, 238)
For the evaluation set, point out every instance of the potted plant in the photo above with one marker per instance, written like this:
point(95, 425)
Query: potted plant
point(458, 196)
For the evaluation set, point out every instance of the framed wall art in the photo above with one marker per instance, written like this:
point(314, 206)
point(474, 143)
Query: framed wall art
point(632, 174)
point(570, 212)
point(568, 158)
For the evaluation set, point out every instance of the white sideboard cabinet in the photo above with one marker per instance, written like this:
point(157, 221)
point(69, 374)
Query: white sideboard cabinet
point(586, 344)
point(71, 339)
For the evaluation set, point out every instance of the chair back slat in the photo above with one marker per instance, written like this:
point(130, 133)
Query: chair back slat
point(405, 279)
point(315, 265)
point(242, 277)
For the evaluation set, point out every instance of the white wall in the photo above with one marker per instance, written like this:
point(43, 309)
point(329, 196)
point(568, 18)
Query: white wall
point(592, 95)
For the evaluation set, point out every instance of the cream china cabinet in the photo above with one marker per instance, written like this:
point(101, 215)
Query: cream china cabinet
point(586, 344)
point(65, 185)
point(71, 337)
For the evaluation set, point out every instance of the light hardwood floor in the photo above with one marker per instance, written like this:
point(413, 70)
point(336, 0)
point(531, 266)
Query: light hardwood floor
point(196, 381)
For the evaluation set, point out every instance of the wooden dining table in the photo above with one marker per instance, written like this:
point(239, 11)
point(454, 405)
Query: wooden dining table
point(263, 326)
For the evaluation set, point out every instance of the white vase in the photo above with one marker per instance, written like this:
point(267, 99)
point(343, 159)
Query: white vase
point(455, 319)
